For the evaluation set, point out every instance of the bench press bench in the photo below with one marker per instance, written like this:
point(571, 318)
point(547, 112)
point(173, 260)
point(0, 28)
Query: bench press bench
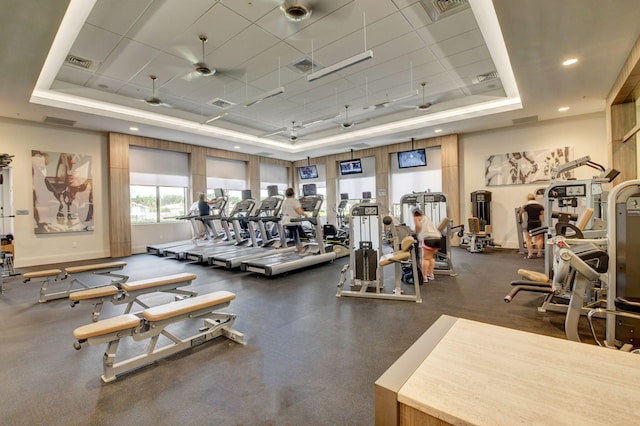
point(74, 274)
point(129, 292)
point(153, 323)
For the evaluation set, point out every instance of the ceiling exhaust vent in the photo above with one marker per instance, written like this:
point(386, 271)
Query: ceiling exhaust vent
point(59, 121)
point(304, 66)
point(485, 77)
point(79, 62)
point(438, 9)
point(220, 103)
point(360, 145)
point(263, 154)
point(523, 120)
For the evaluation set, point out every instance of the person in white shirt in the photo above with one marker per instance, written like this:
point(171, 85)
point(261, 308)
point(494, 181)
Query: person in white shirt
point(430, 239)
point(291, 208)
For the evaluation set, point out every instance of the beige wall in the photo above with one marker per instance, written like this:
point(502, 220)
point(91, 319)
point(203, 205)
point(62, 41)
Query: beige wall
point(19, 138)
point(585, 133)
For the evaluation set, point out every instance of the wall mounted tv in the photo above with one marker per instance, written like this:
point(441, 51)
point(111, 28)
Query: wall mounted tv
point(309, 189)
point(308, 172)
point(350, 167)
point(413, 158)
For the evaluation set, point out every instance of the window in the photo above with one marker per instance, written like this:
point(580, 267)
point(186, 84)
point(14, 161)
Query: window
point(271, 174)
point(159, 185)
point(153, 204)
point(230, 175)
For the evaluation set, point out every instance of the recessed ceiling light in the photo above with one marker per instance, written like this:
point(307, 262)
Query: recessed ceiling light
point(133, 129)
point(570, 61)
point(236, 147)
point(437, 131)
point(563, 109)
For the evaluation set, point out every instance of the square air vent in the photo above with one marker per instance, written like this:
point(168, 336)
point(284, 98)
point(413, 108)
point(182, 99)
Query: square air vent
point(304, 66)
point(438, 9)
point(220, 103)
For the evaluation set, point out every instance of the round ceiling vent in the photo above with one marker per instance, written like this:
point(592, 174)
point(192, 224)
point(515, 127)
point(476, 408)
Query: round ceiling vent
point(296, 10)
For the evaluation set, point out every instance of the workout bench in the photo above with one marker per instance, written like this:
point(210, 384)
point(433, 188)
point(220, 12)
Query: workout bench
point(130, 291)
point(74, 274)
point(152, 323)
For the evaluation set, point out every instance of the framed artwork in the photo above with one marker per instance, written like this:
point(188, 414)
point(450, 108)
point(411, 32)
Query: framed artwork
point(62, 192)
point(526, 167)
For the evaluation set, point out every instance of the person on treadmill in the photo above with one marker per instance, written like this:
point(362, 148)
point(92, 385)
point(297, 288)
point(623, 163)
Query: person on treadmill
point(291, 208)
point(204, 207)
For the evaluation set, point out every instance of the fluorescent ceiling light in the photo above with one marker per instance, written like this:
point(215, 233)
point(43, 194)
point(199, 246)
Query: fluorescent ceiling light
point(340, 65)
point(570, 62)
point(214, 118)
point(133, 129)
point(563, 109)
point(267, 95)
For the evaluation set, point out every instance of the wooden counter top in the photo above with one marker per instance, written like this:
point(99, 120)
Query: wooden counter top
point(469, 373)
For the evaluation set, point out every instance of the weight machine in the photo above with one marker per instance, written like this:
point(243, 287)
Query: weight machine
point(364, 273)
point(435, 205)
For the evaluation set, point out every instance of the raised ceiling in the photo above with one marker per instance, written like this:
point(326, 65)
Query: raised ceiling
point(487, 64)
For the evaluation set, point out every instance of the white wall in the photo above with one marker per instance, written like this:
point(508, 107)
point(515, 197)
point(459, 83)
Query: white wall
point(585, 133)
point(19, 138)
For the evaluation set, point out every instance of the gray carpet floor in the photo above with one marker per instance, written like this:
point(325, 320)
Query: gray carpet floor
point(311, 358)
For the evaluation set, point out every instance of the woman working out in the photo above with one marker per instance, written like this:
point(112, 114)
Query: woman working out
point(534, 218)
point(430, 239)
point(291, 208)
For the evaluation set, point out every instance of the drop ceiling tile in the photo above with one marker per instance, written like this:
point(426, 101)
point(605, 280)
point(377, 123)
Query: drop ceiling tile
point(127, 59)
point(401, 4)
point(94, 43)
point(416, 16)
point(458, 44)
point(250, 42)
point(163, 22)
point(104, 83)
point(117, 16)
point(252, 10)
point(476, 54)
point(71, 74)
point(449, 27)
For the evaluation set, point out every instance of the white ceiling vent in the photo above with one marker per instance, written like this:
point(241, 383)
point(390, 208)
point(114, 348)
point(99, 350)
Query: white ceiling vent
point(523, 120)
point(303, 66)
point(360, 145)
point(220, 103)
point(438, 9)
point(485, 77)
point(59, 121)
point(79, 62)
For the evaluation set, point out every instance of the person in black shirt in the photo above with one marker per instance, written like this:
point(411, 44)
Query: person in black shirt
point(534, 216)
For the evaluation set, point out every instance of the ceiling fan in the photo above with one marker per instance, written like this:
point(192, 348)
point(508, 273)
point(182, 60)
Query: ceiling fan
point(153, 100)
point(299, 10)
point(346, 124)
point(424, 105)
point(200, 68)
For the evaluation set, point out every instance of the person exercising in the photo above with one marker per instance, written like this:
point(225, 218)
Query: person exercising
point(204, 207)
point(535, 216)
point(430, 239)
point(291, 208)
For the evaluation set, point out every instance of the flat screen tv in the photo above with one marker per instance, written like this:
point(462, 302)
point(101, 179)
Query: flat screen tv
point(350, 167)
point(308, 172)
point(218, 192)
point(413, 158)
point(366, 195)
point(309, 189)
point(344, 196)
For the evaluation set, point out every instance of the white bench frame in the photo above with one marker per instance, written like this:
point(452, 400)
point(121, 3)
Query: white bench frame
point(129, 292)
point(215, 324)
point(74, 274)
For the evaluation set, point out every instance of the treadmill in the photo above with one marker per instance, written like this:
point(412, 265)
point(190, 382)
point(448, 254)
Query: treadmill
point(289, 259)
point(161, 249)
point(267, 212)
point(241, 211)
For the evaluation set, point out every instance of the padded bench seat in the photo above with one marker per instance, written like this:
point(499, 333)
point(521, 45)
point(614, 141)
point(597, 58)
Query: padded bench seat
point(192, 304)
point(156, 282)
point(94, 267)
point(94, 293)
point(535, 276)
point(40, 274)
point(110, 325)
